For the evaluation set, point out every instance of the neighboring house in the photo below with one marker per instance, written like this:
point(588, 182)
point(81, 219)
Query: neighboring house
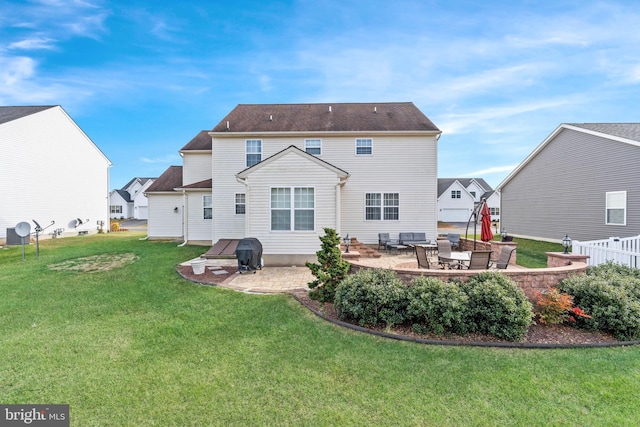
point(457, 198)
point(582, 180)
point(281, 173)
point(50, 171)
point(129, 201)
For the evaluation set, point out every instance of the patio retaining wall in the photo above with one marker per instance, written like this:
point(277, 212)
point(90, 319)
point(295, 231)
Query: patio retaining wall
point(529, 280)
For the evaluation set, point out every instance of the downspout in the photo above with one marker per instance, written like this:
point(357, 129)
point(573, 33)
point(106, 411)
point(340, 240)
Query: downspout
point(147, 236)
point(243, 181)
point(340, 184)
point(185, 218)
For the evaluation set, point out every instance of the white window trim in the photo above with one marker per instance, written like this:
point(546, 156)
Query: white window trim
point(606, 202)
point(382, 205)
point(292, 209)
point(246, 151)
point(356, 146)
point(204, 206)
point(458, 193)
point(236, 204)
point(313, 139)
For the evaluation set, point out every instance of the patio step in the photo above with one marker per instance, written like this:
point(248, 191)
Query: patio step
point(364, 250)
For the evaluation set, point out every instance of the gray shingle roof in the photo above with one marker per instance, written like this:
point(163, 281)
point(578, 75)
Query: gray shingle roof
point(8, 114)
point(202, 141)
point(622, 130)
point(444, 183)
point(337, 117)
point(125, 195)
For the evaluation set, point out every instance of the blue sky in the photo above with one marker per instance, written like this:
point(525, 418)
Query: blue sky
point(497, 77)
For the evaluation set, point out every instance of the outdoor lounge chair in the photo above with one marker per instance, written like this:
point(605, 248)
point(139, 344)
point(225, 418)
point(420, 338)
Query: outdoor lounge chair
point(421, 255)
point(454, 238)
point(383, 239)
point(479, 260)
point(505, 256)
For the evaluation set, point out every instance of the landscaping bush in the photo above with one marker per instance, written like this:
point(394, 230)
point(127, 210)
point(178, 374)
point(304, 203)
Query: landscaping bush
point(330, 268)
point(611, 295)
point(372, 297)
point(436, 306)
point(497, 306)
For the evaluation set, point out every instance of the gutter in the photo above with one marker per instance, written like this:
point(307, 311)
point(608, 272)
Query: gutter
point(185, 210)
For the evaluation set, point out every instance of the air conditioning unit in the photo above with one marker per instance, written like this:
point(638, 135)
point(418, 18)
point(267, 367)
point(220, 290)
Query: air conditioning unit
point(13, 239)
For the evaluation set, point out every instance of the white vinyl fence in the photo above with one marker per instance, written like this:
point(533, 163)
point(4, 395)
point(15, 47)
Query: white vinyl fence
point(621, 250)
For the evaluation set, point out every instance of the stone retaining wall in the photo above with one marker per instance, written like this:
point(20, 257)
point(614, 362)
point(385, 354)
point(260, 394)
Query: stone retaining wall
point(530, 280)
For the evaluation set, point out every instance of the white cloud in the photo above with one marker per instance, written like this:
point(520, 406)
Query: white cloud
point(167, 159)
point(33, 44)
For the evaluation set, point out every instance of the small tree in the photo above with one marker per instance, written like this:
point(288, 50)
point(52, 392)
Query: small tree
point(329, 270)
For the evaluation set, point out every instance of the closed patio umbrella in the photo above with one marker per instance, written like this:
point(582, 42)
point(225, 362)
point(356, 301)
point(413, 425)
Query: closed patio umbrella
point(485, 233)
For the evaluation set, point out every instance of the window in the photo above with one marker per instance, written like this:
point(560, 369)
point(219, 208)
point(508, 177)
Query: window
point(116, 209)
point(494, 211)
point(313, 146)
point(616, 208)
point(382, 206)
point(254, 151)
point(302, 215)
point(207, 207)
point(364, 146)
point(456, 194)
point(240, 204)
point(473, 193)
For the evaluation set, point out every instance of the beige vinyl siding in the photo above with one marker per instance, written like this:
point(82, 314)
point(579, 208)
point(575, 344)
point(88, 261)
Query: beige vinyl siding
point(291, 171)
point(200, 229)
point(562, 189)
point(51, 171)
point(196, 167)
point(164, 222)
point(403, 164)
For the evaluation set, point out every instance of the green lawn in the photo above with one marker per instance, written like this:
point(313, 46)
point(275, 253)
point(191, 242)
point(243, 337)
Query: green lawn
point(137, 345)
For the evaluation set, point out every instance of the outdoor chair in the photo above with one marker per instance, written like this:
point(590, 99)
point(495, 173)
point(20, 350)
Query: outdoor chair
point(454, 239)
point(421, 255)
point(505, 257)
point(479, 260)
point(383, 239)
point(444, 251)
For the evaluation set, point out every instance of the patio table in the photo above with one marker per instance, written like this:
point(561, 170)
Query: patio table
point(459, 257)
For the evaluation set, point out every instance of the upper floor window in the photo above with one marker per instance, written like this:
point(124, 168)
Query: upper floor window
point(616, 208)
point(364, 146)
point(207, 207)
point(494, 211)
point(313, 146)
point(382, 206)
point(473, 193)
point(456, 194)
point(240, 203)
point(253, 151)
point(292, 208)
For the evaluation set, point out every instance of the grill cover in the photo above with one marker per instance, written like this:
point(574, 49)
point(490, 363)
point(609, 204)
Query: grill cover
point(249, 254)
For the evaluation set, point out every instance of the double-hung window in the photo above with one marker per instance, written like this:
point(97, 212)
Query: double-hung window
point(207, 207)
point(616, 208)
point(240, 203)
point(456, 194)
point(116, 209)
point(382, 206)
point(253, 151)
point(313, 146)
point(364, 146)
point(292, 209)
point(494, 211)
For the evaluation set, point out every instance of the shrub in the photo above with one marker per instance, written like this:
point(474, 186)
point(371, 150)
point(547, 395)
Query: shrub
point(372, 297)
point(436, 306)
point(329, 270)
point(497, 306)
point(555, 307)
point(115, 226)
point(611, 296)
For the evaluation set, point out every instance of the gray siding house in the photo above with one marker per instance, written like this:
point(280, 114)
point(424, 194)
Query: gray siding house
point(582, 180)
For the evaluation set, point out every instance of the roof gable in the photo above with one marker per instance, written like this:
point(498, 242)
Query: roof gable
point(168, 181)
point(339, 117)
point(292, 149)
point(628, 133)
point(202, 141)
point(8, 114)
point(446, 183)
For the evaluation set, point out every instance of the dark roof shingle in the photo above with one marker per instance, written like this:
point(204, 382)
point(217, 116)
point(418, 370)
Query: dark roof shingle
point(622, 130)
point(170, 179)
point(8, 114)
point(202, 141)
point(337, 117)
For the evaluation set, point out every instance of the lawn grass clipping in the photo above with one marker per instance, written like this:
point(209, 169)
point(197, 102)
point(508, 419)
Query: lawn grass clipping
point(138, 345)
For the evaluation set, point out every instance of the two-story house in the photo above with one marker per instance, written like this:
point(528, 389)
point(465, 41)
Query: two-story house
point(457, 198)
point(281, 173)
point(129, 201)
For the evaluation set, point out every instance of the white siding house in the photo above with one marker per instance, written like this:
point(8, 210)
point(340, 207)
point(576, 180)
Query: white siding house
point(130, 201)
point(457, 198)
point(282, 173)
point(50, 172)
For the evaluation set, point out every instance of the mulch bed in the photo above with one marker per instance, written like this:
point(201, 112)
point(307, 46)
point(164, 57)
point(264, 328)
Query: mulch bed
point(538, 334)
